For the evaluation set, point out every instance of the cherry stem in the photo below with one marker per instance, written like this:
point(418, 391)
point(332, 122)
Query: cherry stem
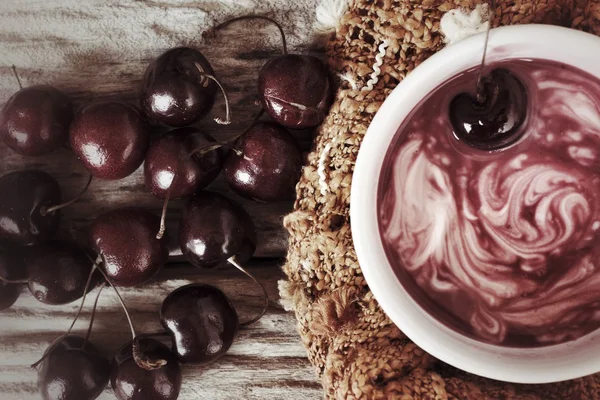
point(218, 120)
point(234, 262)
point(204, 149)
point(60, 338)
point(133, 334)
point(200, 151)
point(14, 69)
point(3, 279)
point(92, 317)
point(212, 32)
point(48, 351)
point(85, 292)
point(163, 215)
point(254, 121)
point(481, 98)
point(49, 210)
point(156, 334)
point(140, 359)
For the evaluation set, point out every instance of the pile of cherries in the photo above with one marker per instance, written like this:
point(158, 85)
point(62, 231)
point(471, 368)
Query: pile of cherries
point(126, 247)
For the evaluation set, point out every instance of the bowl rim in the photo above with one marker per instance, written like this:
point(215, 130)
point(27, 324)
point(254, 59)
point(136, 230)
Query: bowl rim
point(534, 365)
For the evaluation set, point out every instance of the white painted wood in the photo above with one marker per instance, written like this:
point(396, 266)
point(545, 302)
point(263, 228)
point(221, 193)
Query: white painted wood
point(100, 48)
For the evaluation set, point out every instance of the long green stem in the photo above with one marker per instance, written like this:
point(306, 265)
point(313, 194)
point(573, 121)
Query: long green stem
point(480, 88)
point(127, 315)
point(50, 210)
point(139, 357)
point(89, 331)
point(11, 281)
point(218, 120)
point(234, 262)
point(14, 69)
point(212, 32)
point(85, 291)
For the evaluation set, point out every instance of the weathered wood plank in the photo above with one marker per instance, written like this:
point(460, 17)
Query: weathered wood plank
point(267, 361)
point(99, 49)
point(106, 195)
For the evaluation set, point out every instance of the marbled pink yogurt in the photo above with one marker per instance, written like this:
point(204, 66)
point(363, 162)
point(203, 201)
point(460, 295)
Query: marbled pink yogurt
point(503, 247)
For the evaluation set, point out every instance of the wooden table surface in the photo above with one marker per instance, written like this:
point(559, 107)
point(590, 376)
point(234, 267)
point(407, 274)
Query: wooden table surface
point(99, 49)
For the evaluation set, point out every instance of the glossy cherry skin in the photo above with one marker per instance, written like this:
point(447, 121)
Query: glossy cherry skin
point(202, 320)
point(168, 157)
point(131, 382)
point(24, 195)
point(270, 164)
point(57, 272)
point(36, 120)
point(12, 266)
point(74, 370)
point(213, 228)
point(495, 122)
point(174, 92)
point(110, 138)
point(295, 90)
point(126, 240)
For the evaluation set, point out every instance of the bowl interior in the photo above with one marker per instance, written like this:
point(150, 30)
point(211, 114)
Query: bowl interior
point(537, 365)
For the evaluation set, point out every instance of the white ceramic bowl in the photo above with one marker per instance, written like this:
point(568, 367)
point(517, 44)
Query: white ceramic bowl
point(537, 365)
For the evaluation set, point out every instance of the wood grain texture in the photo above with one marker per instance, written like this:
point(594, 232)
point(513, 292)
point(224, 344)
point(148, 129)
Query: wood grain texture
point(267, 361)
point(96, 49)
point(99, 49)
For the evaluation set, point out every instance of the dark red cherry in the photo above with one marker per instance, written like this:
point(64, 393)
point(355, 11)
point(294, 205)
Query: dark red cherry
point(36, 120)
point(110, 138)
point(131, 382)
point(12, 267)
point(492, 121)
point(57, 272)
point(213, 228)
point(175, 93)
point(170, 156)
point(295, 90)
point(74, 370)
point(202, 321)
point(126, 241)
point(269, 165)
point(24, 197)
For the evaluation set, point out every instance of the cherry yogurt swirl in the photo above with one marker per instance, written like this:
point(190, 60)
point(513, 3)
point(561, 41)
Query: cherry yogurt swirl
point(503, 247)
